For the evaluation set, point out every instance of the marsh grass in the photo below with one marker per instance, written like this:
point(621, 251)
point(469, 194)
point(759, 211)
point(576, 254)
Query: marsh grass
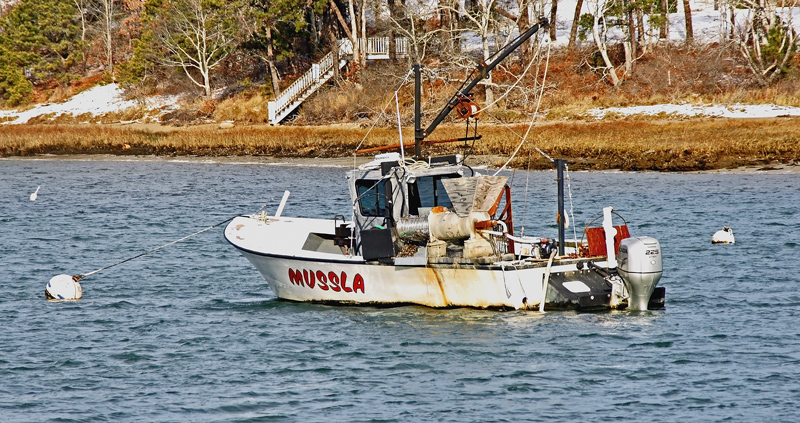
point(622, 144)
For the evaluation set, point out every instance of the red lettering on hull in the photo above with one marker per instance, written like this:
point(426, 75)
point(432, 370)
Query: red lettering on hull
point(330, 281)
point(358, 283)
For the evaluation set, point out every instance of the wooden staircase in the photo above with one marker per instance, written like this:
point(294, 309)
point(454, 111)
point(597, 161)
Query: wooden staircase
point(294, 95)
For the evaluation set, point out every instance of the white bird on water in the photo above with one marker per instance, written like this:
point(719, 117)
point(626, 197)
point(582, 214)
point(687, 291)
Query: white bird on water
point(724, 236)
point(35, 194)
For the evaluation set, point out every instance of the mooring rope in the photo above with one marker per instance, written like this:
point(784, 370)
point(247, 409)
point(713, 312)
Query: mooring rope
point(83, 275)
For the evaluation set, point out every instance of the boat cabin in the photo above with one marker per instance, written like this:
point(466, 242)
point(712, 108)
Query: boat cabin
point(399, 208)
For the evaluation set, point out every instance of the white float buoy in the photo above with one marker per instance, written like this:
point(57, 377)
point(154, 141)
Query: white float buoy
point(35, 194)
point(63, 287)
point(723, 236)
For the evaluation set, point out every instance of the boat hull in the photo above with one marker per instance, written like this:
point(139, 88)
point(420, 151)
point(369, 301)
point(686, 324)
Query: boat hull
point(277, 249)
point(433, 286)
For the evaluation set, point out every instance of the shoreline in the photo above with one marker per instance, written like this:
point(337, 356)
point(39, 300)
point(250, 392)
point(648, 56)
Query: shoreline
point(478, 162)
point(705, 145)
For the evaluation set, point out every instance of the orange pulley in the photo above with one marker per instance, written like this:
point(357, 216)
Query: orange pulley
point(466, 108)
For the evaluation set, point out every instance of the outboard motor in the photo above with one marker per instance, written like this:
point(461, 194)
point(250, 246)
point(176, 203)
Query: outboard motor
point(640, 267)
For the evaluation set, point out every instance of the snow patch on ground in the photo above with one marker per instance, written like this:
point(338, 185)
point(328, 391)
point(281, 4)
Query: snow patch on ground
point(733, 111)
point(709, 26)
point(97, 101)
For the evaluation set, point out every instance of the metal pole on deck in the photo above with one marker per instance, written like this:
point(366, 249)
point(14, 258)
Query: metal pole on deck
point(560, 163)
point(419, 134)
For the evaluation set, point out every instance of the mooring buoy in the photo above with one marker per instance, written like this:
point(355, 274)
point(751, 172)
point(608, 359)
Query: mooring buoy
point(723, 236)
point(63, 287)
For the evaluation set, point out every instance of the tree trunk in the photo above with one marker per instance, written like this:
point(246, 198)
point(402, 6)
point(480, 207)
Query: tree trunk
point(363, 19)
point(354, 31)
point(628, 57)
point(687, 13)
point(524, 24)
point(393, 18)
point(342, 21)
point(350, 35)
point(315, 32)
point(640, 41)
point(601, 46)
point(553, 16)
point(108, 11)
point(573, 32)
point(632, 32)
point(334, 42)
point(488, 80)
point(664, 33)
point(82, 10)
point(273, 71)
point(206, 81)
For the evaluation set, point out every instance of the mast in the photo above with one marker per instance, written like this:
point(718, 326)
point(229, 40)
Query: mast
point(560, 163)
point(419, 135)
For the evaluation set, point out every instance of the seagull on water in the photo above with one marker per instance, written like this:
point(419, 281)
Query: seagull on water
point(35, 194)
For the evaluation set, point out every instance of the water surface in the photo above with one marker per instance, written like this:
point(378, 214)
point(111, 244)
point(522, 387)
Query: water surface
point(193, 333)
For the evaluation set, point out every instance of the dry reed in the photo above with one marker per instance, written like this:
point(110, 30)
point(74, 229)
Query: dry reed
point(696, 144)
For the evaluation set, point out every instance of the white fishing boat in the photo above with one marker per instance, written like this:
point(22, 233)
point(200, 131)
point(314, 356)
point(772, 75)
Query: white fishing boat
point(433, 233)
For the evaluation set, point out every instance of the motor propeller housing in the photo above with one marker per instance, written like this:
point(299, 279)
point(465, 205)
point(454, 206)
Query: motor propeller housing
point(639, 265)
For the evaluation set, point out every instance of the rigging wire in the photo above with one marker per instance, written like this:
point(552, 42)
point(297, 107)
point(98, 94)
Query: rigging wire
point(399, 127)
point(533, 118)
point(508, 91)
point(383, 112)
point(571, 212)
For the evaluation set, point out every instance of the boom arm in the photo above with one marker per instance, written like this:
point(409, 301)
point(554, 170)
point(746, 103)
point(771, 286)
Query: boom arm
point(483, 71)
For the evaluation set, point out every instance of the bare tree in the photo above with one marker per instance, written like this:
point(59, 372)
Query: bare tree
point(108, 17)
point(482, 21)
point(767, 39)
point(83, 10)
point(599, 31)
point(407, 21)
point(448, 23)
point(197, 35)
point(523, 24)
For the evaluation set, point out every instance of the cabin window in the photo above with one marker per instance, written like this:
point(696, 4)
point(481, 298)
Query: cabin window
point(371, 197)
point(427, 192)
